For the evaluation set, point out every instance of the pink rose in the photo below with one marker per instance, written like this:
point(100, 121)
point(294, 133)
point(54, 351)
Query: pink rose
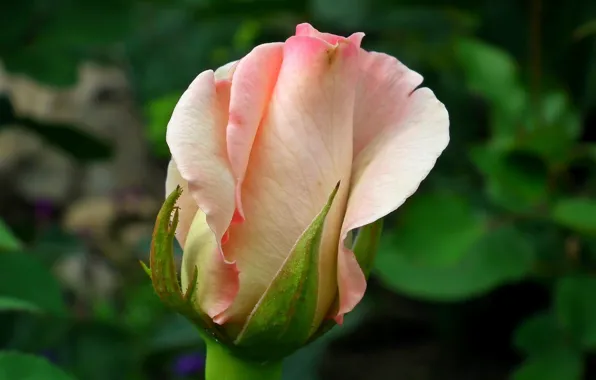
point(259, 145)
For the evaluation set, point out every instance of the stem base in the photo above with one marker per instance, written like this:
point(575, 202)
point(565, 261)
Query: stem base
point(222, 365)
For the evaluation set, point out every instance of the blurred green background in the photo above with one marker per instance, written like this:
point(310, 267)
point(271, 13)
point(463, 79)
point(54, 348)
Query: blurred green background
point(488, 272)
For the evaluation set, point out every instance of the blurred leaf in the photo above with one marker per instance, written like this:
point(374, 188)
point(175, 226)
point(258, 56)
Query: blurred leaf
point(44, 64)
point(54, 243)
point(575, 308)
point(8, 242)
point(152, 52)
point(26, 279)
point(507, 119)
point(539, 334)
point(585, 30)
point(101, 351)
point(71, 140)
point(437, 230)
point(490, 71)
point(142, 309)
point(15, 304)
point(247, 33)
point(15, 17)
point(576, 213)
point(34, 331)
point(53, 40)
point(159, 112)
point(561, 364)
point(554, 134)
point(501, 256)
point(508, 183)
point(18, 366)
point(83, 24)
point(493, 73)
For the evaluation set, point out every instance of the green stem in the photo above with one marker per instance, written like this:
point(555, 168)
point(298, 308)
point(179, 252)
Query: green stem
point(222, 365)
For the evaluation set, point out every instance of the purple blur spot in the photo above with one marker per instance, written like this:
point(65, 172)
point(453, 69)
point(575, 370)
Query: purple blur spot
point(189, 364)
point(44, 209)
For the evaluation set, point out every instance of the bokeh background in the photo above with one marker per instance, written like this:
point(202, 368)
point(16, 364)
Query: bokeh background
point(488, 272)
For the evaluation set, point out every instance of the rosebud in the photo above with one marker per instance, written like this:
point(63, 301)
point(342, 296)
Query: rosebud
point(276, 160)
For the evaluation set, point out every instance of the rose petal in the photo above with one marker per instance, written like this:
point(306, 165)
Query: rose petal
point(307, 30)
point(217, 282)
point(386, 84)
point(302, 149)
point(401, 134)
point(196, 137)
point(254, 80)
point(226, 72)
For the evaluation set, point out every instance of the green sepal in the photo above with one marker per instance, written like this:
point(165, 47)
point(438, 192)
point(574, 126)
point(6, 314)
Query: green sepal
point(146, 268)
point(282, 320)
point(162, 266)
point(365, 249)
point(163, 270)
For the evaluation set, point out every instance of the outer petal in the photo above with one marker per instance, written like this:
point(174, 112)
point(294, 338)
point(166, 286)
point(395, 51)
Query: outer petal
point(226, 72)
point(254, 80)
point(196, 137)
point(402, 135)
point(187, 205)
point(383, 90)
point(305, 29)
point(217, 282)
point(202, 252)
point(303, 148)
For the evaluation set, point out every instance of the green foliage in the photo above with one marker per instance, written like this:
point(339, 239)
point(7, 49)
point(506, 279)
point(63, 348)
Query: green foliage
point(101, 351)
point(158, 113)
point(497, 257)
point(26, 284)
point(578, 214)
point(451, 221)
point(47, 41)
point(15, 366)
point(8, 242)
point(565, 364)
point(490, 72)
point(540, 334)
point(575, 307)
point(551, 354)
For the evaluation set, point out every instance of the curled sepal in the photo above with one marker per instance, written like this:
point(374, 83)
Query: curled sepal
point(163, 268)
point(282, 319)
point(365, 249)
